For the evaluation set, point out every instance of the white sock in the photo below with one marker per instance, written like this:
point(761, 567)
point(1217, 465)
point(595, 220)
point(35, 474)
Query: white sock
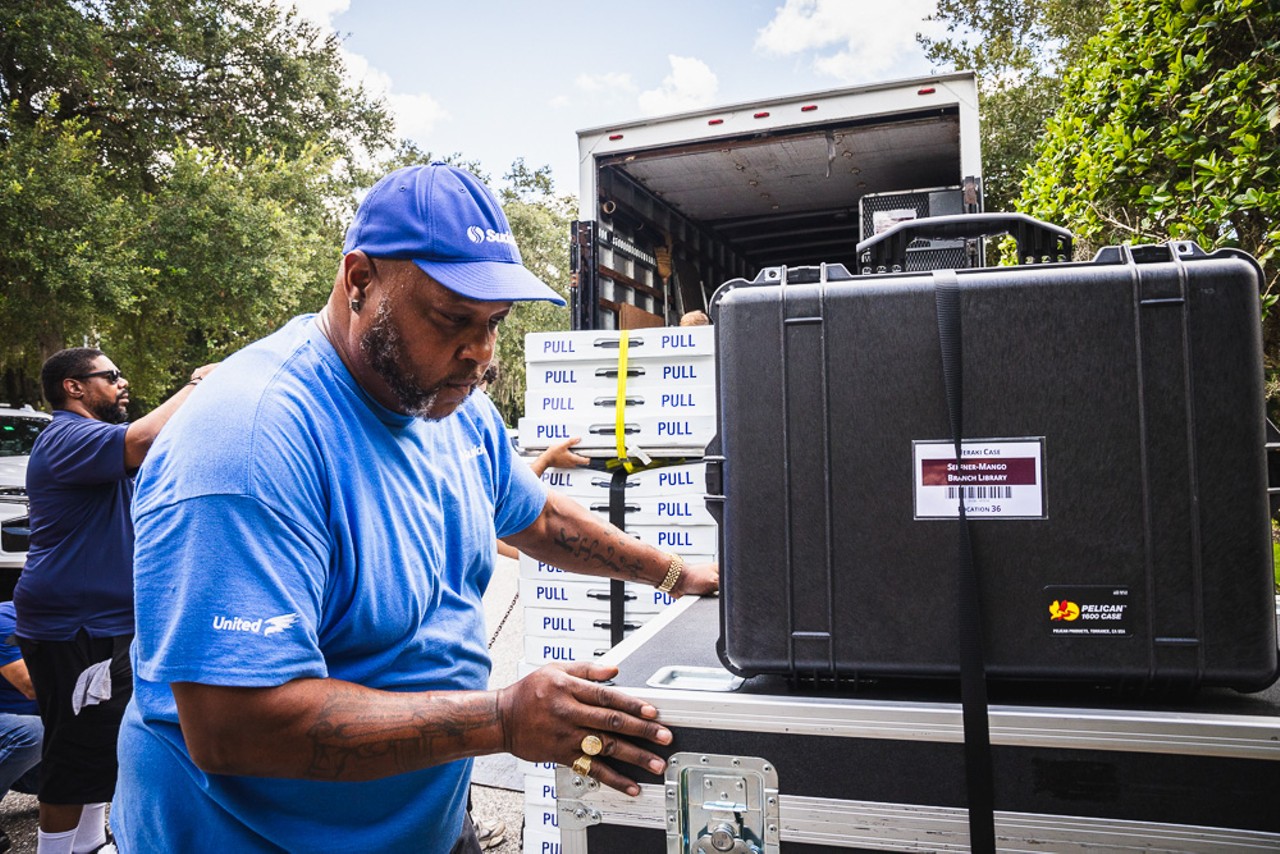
point(55, 843)
point(91, 832)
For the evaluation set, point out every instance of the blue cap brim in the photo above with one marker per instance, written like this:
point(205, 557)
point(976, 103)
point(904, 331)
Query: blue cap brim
point(490, 281)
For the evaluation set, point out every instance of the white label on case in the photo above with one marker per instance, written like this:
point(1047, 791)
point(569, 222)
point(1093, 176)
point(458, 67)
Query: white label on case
point(997, 479)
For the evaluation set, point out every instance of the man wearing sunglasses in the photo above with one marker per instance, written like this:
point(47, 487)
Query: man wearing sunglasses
point(74, 599)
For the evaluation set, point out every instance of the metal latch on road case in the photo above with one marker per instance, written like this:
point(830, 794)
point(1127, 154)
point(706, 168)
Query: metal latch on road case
point(719, 804)
point(818, 274)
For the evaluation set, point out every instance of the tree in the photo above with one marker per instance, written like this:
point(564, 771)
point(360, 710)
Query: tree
point(1019, 50)
point(227, 75)
point(69, 242)
point(174, 177)
point(1170, 129)
point(232, 250)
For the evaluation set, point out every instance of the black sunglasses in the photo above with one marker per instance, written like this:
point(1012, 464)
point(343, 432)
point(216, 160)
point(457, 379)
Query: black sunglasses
point(112, 377)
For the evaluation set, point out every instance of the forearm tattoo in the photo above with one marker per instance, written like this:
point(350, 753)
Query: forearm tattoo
point(601, 553)
point(363, 735)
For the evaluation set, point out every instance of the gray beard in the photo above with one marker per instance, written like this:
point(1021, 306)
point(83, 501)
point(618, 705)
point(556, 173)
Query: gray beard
point(384, 348)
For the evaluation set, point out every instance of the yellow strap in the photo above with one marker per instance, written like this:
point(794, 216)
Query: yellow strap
point(620, 406)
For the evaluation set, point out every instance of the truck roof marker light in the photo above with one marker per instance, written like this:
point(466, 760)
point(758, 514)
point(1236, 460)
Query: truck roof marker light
point(715, 121)
point(808, 108)
point(614, 137)
point(760, 116)
point(927, 90)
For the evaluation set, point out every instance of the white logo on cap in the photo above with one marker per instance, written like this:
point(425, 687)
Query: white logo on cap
point(487, 235)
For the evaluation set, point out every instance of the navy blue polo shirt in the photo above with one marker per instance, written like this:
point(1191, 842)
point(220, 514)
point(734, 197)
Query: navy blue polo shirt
point(79, 570)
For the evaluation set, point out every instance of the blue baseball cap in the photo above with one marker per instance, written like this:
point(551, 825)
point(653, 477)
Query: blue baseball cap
point(450, 224)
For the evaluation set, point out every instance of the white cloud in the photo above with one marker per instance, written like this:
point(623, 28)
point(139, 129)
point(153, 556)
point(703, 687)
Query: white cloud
point(559, 102)
point(416, 114)
point(321, 12)
point(609, 82)
point(851, 40)
point(690, 86)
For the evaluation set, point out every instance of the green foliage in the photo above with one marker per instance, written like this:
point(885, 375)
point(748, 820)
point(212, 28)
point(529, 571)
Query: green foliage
point(68, 241)
point(1170, 129)
point(1019, 50)
point(226, 75)
point(1275, 561)
point(231, 252)
point(174, 177)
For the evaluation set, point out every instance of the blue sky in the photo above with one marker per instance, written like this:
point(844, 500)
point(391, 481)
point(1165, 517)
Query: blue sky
point(495, 80)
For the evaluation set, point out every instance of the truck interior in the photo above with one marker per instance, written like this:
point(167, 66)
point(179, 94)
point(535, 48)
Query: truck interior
point(676, 222)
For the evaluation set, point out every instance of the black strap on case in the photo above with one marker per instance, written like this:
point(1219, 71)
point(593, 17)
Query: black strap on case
point(973, 679)
point(617, 590)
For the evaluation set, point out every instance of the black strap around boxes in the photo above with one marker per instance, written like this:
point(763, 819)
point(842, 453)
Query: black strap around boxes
point(617, 589)
point(973, 680)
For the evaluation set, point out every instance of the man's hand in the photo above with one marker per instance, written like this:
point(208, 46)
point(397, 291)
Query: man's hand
point(559, 456)
point(201, 372)
point(546, 715)
point(569, 536)
point(699, 579)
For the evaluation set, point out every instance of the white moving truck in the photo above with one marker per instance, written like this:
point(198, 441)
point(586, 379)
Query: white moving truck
point(670, 208)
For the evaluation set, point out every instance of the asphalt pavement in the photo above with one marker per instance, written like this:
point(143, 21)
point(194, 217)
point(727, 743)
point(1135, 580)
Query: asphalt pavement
point(497, 793)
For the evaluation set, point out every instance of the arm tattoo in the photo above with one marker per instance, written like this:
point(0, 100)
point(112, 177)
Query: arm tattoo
point(353, 736)
point(602, 554)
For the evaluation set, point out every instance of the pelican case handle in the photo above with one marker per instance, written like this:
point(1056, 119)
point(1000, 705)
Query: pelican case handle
point(1038, 242)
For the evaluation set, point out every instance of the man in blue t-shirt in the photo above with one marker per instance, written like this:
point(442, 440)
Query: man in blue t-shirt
point(315, 534)
point(74, 599)
point(20, 727)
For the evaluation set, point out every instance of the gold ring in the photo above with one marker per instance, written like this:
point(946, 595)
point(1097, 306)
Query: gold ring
point(592, 745)
point(582, 766)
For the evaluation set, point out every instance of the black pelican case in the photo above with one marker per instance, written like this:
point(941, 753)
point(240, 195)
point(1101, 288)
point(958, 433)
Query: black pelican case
point(1113, 472)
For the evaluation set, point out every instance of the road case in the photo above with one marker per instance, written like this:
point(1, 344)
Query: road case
point(758, 765)
point(1112, 472)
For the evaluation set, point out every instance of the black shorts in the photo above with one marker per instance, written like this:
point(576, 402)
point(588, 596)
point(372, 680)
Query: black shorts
point(78, 758)
point(467, 842)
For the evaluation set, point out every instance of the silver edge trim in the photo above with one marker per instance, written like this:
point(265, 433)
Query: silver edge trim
point(1192, 733)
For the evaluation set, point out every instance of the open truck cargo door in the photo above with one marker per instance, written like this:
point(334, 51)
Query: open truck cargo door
point(669, 208)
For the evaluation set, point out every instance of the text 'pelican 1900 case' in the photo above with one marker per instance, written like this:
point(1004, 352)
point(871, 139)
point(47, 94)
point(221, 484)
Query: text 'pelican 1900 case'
point(1113, 473)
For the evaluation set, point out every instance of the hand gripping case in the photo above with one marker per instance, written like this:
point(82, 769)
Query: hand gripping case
point(1112, 473)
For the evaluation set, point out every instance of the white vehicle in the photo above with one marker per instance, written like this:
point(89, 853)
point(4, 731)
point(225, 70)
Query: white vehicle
point(671, 208)
point(18, 430)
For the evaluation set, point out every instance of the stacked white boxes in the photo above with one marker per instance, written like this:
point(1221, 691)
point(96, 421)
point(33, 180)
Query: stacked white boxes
point(657, 385)
point(567, 615)
point(667, 411)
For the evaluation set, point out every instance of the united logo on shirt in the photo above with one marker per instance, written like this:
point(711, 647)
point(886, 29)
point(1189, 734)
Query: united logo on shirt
point(264, 627)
